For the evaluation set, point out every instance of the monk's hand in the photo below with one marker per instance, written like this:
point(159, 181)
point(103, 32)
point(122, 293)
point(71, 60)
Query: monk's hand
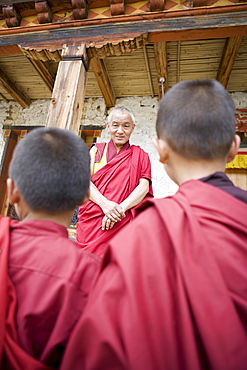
point(107, 223)
point(113, 211)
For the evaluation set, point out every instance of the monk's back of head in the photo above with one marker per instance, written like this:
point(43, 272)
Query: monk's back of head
point(50, 167)
point(197, 119)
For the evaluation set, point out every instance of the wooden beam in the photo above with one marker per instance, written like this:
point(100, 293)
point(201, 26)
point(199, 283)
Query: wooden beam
point(200, 34)
point(161, 66)
point(148, 70)
point(43, 72)
point(13, 90)
point(227, 59)
point(101, 74)
point(68, 94)
point(178, 61)
point(93, 30)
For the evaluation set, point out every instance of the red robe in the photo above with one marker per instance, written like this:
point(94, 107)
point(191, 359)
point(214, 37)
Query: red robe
point(172, 292)
point(116, 180)
point(45, 279)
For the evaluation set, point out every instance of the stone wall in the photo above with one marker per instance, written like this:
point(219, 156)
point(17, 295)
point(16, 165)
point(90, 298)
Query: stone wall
point(95, 113)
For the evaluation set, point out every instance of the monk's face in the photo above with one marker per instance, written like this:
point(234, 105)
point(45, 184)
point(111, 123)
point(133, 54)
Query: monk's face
point(120, 128)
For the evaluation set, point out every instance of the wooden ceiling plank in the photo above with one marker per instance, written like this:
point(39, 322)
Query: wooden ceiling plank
point(12, 89)
point(148, 71)
point(103, 79)
point(228, 58)
point(161, 65)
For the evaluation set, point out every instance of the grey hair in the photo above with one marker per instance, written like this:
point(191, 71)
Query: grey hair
point(122, 110)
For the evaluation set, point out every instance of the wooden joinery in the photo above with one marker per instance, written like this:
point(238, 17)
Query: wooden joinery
point(13, 90)
point(227, 59)
point(12, 17)
point(103, 79)
point(44, 13)
point(80, 9)
point(157, 5)
point(68, 94)
point(117, 7)
point(161, 67)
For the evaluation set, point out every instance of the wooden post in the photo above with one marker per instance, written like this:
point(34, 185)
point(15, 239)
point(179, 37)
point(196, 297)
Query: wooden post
point(68, 94)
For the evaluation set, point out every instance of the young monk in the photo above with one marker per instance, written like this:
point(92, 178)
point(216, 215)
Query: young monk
point(45, 278)
point(172, 292)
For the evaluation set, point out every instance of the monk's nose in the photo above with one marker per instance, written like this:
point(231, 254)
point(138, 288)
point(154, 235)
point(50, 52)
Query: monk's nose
point(120, 129)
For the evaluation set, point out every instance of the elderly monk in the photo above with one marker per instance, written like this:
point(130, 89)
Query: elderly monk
point(121, 179)
point(172, 291)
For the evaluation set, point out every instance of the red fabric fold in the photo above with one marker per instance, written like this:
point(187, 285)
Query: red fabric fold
point(12, 356)
point(172, 293)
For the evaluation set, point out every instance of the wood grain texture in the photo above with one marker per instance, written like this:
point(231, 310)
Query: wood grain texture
point(228, 58)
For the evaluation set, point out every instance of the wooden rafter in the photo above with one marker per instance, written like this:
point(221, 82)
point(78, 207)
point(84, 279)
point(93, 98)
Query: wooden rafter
point(43, 72)
point(13, 90)
point(178, 61)
point(161, 65)
point(148, 70)
point(103, 79)
point(228, 58)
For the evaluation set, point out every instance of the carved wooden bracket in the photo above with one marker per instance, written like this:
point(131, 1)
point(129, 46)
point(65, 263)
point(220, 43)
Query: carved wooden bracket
point(80, 9)
point(73, 53)
point(44, 13)
point(117, 7)
point(157, 5)
point(12, 17)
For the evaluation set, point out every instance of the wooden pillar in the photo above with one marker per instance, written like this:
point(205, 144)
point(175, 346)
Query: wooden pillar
point(69, 89)
point(10, 144)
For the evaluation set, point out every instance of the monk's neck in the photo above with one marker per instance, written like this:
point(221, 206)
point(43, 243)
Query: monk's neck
point(59, 218)
point(185, 169)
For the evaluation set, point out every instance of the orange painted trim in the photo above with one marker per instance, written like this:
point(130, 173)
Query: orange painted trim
point(204, 34)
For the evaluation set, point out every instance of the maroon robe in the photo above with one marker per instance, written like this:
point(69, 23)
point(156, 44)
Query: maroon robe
point(45, 280)
point(116, 180)
point(172, 292)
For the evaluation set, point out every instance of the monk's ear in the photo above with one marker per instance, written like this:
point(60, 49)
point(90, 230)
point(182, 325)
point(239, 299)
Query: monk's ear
point(234, 148)
point(13, 191)
point(162, 148)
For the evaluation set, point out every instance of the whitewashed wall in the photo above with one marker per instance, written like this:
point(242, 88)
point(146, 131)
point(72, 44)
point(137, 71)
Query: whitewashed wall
point(95, 113)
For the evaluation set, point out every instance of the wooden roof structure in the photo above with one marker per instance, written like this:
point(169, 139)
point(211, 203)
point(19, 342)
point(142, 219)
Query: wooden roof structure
point(132, 47)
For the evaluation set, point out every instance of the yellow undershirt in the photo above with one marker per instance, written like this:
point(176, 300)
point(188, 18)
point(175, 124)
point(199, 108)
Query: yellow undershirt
point(98, 165)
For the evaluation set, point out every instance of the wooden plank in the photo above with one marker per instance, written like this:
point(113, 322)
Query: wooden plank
point(103, 30)
point(161, 66)
point(12, 89)
point(238, 177)
point(103, 79)
point(228, 58)
point(68, 94)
